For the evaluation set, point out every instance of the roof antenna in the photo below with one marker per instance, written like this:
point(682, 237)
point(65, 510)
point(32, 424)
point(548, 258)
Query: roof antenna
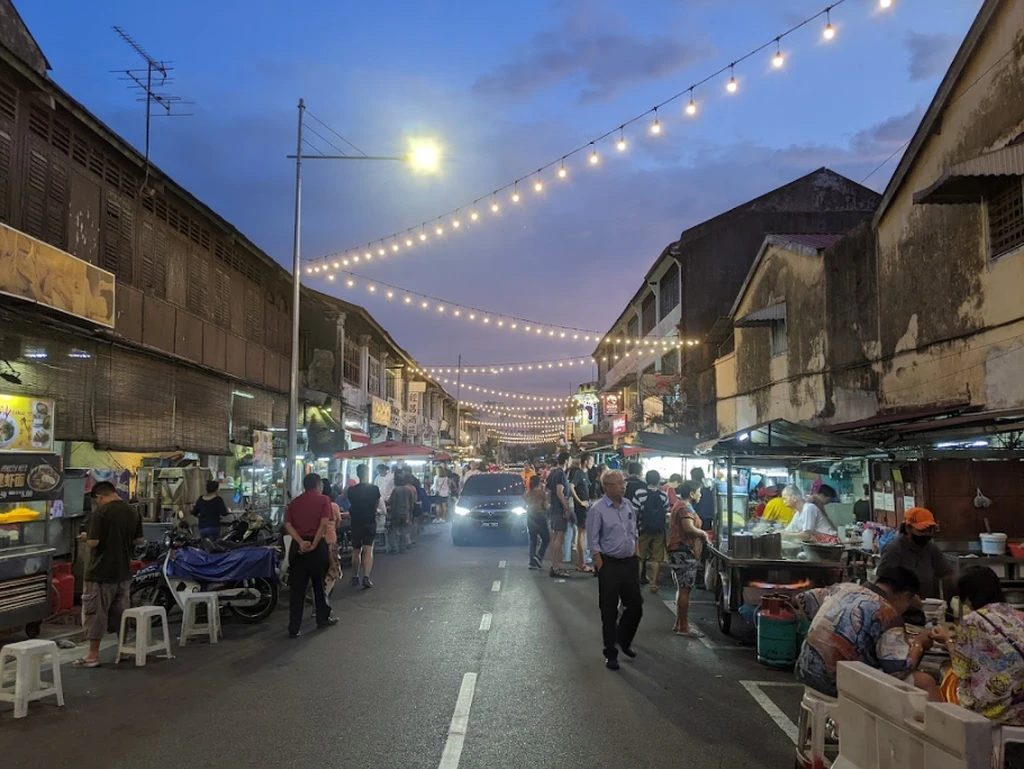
point(148, 84)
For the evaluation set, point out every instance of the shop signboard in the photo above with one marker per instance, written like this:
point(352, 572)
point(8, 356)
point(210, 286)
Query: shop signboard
point(380, 411)
point(26, 423)
point(30, 477)
point(37, 272)
point(611, 404)
point(262, 448)
point(416, 394)
point(619, 424)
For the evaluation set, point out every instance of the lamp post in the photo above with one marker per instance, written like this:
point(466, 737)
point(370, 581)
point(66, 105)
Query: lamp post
point(423, 156)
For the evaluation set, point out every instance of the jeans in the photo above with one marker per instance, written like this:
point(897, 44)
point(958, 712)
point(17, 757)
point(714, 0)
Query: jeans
point(619, 580)
point(304, 568)
point(567, 546)
point(539, 532)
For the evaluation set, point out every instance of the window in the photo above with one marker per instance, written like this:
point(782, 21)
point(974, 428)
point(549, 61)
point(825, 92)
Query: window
point(1005, 209)
point(780, 342)
point(633, 328)
point(648, 312)
point(392, 376)
point(669, 289)
point(670, 363)
point(373, 380)
point(351, 362)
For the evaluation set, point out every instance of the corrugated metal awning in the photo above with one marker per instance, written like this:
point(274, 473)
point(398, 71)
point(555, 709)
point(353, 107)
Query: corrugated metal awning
point(967, 182)
point(763, 317)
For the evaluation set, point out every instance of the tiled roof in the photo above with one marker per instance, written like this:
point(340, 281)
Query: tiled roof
point(812, 240)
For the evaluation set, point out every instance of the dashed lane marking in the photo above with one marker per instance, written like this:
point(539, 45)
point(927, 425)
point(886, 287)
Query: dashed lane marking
point(485, 621)
point(756, 690)
point(496, 586)
point(501, 564)
point(460, 723)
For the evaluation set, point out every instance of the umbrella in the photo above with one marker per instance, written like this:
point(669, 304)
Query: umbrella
point(388, 449)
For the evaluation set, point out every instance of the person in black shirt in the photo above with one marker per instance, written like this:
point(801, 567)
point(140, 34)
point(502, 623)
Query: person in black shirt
point(365, 500)
point(634, 482)
point(209, 509)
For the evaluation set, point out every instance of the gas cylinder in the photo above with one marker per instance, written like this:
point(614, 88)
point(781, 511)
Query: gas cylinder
point(776, 632)
point(64, 585)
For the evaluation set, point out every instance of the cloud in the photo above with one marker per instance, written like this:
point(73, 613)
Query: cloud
point(596, 49)
point(930, 55)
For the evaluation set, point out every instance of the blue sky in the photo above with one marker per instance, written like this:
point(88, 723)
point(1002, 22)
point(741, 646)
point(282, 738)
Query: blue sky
point(506, 88)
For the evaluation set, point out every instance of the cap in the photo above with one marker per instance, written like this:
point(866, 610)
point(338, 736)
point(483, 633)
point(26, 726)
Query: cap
point(920, 519)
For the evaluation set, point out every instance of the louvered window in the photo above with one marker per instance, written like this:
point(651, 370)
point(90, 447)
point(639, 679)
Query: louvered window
point(221, 298)
point(119, 237)
point(198, 297)
point(153, 279)
point(352, 362)
point(253, 315)
point(8, 118)
point(1005, 208)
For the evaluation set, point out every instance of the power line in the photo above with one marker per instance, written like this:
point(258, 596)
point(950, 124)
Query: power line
point(329, 128)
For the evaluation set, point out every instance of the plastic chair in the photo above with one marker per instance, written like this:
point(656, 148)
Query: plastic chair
point(28, 686)
point(190, 627)
point(815, 710)
point(144, 644)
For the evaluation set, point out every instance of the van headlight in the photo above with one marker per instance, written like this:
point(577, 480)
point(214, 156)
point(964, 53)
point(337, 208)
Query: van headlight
point(460, 510)
point(519, 510)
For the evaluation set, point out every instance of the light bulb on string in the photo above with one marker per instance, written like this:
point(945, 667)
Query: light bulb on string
point(656, 125)
point(620, 145)
point(538, 186)
point(439, 231)
point(829, 32)
point(594, 159)
point(778, 60)
point(423, 234)
point(455, 222)
point(394, 247)
point(473, 216)
point(381, 251)
point(330, 277)
point(691, 108)
point(884, 4)
point(732, 85)
point(562, 173)
point(494, 207)
point(515, 192)
point(408, 242)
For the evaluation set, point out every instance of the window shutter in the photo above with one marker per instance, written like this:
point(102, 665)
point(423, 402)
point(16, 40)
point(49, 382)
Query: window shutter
point(222, 298)
point(154, 259)
point(253, 315)
point(8, 118)
point(198, 299)
point(119, 238)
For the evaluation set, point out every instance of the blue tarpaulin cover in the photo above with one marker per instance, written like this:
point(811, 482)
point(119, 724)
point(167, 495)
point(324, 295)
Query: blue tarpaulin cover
point(244, 563)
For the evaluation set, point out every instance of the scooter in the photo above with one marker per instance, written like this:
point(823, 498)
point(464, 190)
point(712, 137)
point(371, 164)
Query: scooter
point(185, 569)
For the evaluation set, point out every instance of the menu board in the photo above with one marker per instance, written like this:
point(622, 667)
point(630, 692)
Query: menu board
point(30, 477)
point(26, 423)
point(262, 448)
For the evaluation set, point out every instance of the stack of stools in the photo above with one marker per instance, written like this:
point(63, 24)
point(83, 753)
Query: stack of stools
point(27, 659)
point(144, 643)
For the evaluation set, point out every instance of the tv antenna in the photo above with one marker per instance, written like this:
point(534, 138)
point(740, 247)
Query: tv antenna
point(149, 84)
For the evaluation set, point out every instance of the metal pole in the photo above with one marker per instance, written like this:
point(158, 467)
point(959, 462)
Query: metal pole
point(458, 405)
point(293, 380)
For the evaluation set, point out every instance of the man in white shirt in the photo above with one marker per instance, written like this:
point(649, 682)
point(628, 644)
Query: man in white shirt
point(812, 518)
point(385, 481)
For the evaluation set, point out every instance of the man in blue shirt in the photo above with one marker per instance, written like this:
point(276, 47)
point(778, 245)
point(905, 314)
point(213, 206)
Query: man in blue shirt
point(612, 538)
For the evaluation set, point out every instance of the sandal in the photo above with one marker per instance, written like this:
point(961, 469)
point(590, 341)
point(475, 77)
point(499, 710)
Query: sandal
point(82, 662)
point(585, 569)
point(559, 574)
point(654, 588)
point(694, 633)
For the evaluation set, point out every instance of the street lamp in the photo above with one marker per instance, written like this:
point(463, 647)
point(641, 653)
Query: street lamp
point(423, 157)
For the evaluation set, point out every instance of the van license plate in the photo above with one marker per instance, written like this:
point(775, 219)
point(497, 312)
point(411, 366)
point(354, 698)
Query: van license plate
point(490, 525)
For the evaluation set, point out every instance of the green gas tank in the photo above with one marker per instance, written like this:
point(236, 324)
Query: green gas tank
point(777, 638)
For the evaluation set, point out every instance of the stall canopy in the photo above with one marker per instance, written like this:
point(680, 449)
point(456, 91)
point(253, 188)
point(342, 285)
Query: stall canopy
point(660, 443)
point(782, 439)
point(391, 450)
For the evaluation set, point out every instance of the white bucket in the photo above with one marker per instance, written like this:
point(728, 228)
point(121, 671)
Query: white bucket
point(993, 544)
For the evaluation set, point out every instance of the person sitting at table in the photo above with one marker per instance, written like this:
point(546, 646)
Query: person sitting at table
point(862, 623)
point(915, 549)
point(986, 650)
point(782, 508)
point(812, 522)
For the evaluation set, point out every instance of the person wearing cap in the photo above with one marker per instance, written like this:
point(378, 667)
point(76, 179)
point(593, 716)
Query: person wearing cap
point(914, 549)
point(812, 522)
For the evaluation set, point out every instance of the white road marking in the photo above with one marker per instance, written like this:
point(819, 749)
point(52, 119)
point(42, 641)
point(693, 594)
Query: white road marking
point(754, 688)
point(496, 586)
point(459, 725)
point(501, 564)
point(703, 638)
point(485, 621)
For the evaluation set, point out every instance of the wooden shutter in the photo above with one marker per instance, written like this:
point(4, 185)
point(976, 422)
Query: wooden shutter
point(253, 314)
point(119, 237)
point(154, 259)
point(198, 300)
point(8, 118)
point(222, 298)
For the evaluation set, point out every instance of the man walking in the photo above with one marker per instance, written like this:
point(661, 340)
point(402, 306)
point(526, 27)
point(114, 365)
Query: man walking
point(561, 512)
point(366, 501)
point(612, 537)
point(306, 520)
point(652, 514)
point(114, 530)
point(400, 507)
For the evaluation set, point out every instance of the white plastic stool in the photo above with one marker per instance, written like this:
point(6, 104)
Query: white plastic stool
point(1003, 736)
point(144, 644)
point(190, 627)
point(815, 709)
point(28, 685)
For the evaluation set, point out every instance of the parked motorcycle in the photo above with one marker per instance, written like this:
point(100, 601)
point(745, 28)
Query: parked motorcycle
point(244, 578)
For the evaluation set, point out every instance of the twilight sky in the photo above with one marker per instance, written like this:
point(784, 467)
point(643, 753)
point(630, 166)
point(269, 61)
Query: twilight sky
point(505, 88)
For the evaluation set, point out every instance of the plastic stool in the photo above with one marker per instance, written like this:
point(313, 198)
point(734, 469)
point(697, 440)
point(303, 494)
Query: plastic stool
point(815, 709)
point(1003, 736)
point(144, 645)
point(28, 683)
point(190, 627)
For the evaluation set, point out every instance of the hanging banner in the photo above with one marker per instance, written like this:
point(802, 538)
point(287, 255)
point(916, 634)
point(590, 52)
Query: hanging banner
point(26, 423)
point(380, 412)
point(38, 272)
point(262, 448)
point(417, 392)
point(30, 477)
point(619, 424)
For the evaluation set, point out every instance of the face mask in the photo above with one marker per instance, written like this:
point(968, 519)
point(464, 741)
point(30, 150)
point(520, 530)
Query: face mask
point(920, 540)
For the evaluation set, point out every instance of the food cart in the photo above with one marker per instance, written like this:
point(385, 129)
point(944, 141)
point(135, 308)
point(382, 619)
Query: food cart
point(745, 568)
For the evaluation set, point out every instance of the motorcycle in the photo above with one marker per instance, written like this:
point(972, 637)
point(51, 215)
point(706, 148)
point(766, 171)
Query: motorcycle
point(244, 578)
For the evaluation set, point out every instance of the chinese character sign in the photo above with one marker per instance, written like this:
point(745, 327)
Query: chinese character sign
point(30, 477)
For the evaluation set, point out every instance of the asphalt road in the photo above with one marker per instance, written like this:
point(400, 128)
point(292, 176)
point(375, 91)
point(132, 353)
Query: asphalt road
point(380, 689)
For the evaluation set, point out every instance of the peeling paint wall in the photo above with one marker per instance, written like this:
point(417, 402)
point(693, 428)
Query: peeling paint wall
point(947, 312)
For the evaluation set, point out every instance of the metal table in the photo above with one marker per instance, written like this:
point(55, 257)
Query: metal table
point(25, 587)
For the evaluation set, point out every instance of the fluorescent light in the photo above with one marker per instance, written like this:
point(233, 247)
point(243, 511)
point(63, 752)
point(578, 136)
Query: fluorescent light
point(241, 394)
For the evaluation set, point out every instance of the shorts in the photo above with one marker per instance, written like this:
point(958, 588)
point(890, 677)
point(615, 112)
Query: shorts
point(103, 603)
point(652, 546)
point(558, 522)
point(684, 565)
point(581, 518)
point(363, 533)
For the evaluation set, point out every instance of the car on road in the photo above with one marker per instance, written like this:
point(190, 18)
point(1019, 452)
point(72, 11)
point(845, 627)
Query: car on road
point(490, 507)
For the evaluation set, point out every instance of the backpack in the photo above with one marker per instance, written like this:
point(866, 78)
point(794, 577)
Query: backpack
point(653, 512)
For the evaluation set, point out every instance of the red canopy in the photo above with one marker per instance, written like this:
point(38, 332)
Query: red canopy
point(388, 449)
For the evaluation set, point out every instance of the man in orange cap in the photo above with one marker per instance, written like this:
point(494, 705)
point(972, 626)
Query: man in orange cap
point(914, 549)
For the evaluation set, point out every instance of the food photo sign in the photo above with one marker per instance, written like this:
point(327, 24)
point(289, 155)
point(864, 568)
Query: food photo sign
point(30, 477)
point(26, 424)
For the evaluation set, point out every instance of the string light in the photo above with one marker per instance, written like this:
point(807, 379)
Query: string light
point(515, 193)
point(504, 409)
point(473, 215)
point(883, 4)
point(538, 186)
point(620, 145)
point(732, 86)
point(508, 368)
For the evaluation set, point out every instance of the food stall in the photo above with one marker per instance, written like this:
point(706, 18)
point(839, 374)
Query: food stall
point(744, 566)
